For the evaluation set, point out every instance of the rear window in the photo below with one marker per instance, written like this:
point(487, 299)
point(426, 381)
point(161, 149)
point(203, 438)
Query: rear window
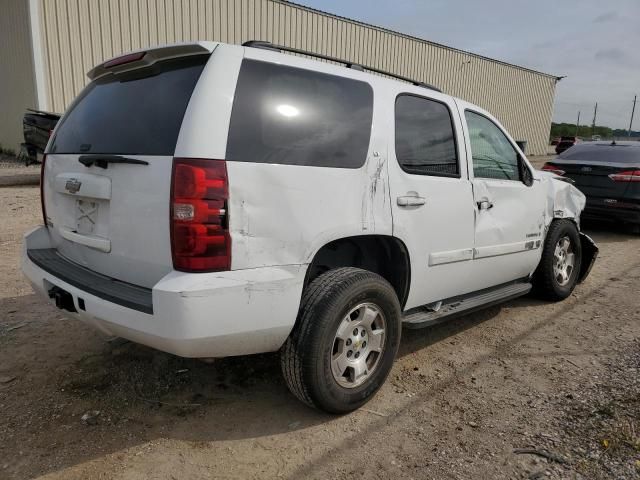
point(293, 116)
point(134, 113)
point(603, 153)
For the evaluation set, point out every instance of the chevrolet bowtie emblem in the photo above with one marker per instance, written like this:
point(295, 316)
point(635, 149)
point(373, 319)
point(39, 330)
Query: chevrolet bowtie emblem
point(73, 185)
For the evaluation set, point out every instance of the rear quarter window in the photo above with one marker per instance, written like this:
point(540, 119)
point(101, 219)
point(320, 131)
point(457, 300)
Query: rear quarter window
point(293, 116)
point(137, 112)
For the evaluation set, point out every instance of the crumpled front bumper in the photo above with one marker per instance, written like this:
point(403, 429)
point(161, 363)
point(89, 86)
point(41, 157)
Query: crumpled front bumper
point(589, 254)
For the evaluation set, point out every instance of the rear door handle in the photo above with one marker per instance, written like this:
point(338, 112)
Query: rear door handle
point(98, 243)
point(411, 201)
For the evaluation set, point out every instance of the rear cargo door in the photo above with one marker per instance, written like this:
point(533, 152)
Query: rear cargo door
point(108, 167)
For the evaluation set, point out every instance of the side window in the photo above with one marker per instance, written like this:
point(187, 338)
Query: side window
point(492, 153)
point(425, 142)
point(293, 116)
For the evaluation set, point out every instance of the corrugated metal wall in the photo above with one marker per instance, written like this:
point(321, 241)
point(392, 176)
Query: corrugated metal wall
point(17, 83)
point(81, 33)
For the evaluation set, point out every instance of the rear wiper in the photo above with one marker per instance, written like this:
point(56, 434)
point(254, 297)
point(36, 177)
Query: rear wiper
point(103, 161)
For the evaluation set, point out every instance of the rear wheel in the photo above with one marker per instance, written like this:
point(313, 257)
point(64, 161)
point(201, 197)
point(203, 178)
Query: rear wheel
point(345, 340)
point(557, 273)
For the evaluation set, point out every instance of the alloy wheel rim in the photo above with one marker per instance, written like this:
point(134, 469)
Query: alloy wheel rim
point(563, 261)
point(358, 345)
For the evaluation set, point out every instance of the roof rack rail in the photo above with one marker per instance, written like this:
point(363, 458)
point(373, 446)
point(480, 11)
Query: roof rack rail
point(355, 66)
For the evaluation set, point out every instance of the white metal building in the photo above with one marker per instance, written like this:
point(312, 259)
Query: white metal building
point(47, 46)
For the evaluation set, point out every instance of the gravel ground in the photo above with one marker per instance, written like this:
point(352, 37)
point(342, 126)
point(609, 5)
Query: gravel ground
point(14, 172)
point(559, 381)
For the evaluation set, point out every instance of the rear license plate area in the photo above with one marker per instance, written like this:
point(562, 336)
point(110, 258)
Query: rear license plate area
point(86, 216)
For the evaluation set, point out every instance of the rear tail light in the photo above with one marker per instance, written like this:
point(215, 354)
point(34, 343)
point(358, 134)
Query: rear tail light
point(200, 240)
point(626, 176)
point(549, 167)
point(44, 210)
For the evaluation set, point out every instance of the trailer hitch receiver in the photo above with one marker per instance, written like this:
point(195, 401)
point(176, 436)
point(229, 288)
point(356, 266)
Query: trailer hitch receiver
point(63, 299)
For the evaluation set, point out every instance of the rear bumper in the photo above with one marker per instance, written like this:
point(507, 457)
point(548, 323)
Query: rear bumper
point(193, 315)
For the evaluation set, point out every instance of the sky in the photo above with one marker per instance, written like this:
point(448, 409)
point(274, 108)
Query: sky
point(594, 43)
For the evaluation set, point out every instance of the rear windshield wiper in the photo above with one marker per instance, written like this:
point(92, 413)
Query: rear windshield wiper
point(103, 161)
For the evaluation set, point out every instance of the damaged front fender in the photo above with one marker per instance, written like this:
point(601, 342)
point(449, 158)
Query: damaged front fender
point(566, 201)
point(563, 199)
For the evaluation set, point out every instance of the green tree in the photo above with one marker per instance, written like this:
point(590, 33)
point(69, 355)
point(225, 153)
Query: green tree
point(584, 131)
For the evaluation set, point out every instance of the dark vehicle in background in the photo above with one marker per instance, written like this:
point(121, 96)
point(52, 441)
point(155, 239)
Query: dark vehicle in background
point(37, 126)
point(608, 173)
point(555, 140)
point(565, 143)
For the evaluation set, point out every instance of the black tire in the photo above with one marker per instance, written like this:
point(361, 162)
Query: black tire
point(306, 355)
point(545, 283)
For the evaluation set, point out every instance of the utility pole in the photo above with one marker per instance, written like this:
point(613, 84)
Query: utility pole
point(632, 112)
point(593, 124)
point(578, 123)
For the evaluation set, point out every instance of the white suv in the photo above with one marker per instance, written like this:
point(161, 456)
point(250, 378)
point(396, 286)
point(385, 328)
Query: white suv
point(212, 200)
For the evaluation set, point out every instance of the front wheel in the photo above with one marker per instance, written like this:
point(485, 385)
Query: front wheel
point(557, 273)
point(345, 340)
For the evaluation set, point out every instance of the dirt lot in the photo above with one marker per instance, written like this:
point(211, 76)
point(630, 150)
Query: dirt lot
point(561, 379)
point(14, 172)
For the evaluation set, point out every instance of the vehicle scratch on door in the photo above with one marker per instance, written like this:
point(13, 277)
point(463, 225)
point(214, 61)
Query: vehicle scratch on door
point(372, 191)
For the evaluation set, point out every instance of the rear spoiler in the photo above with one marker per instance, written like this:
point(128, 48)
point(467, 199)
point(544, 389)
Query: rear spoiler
point(149, 56)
